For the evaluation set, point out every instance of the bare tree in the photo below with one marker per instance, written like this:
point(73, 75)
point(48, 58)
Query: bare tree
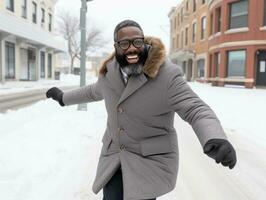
point(69, 28)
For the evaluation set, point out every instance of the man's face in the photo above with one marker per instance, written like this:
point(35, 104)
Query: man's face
point(130, 48)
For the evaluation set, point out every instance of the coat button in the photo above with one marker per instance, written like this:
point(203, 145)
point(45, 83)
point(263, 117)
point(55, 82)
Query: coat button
point(120, 130)
point(120, 110)
point(122, 147)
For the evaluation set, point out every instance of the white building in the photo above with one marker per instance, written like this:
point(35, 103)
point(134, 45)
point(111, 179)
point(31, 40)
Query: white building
point(28, 45)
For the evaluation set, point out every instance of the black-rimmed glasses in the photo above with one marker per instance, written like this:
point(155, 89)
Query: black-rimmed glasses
point(125, 44)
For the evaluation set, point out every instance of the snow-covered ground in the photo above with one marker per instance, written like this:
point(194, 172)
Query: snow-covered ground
point(10, 87)
point(49, 152)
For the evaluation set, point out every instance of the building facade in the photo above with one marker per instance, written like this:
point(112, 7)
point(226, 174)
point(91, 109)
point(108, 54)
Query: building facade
point(234, 50)
point(28, 45)
point(237, 43)
point(189, 38)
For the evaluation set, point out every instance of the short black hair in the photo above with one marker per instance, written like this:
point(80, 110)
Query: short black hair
point(123, 24)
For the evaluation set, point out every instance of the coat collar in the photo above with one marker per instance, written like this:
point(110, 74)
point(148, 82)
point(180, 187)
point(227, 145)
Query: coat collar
point(153, 63)
point(110, 69)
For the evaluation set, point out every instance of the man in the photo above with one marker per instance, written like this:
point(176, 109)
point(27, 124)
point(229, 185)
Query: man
point(142, 91)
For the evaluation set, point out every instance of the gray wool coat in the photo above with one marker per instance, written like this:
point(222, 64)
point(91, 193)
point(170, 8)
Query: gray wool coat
point(140, 136)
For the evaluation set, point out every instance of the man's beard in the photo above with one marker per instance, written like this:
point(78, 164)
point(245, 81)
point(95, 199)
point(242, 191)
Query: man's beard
point(135, 68)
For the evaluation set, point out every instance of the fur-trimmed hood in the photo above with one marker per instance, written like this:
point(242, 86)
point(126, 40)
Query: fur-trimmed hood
point(154, 61)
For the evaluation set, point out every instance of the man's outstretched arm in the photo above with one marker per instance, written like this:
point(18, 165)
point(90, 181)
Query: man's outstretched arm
point(85, 94)
point(203, 120)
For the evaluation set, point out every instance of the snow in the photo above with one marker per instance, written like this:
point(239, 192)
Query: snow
point(51, 152)
point(11, 87)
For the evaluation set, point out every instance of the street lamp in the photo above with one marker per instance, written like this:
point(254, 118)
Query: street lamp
point(83, 12)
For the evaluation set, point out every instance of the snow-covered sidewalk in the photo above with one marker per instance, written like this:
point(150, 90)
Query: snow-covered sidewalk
point(12, 87)
point(51, 152)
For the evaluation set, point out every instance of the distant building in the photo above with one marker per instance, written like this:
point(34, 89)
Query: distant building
point(189, 39)
point(237, 43)
point(93, 64)
point(28, 45)
point(230, 41)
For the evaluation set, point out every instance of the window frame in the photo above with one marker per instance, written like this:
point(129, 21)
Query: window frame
point(24, 9)
point(218, 19)
point(264, 13)
point(10, 7)
point(43, 15)
point(230, 15)
point(8, 46)
point(203, 30)
point(50, 65)
point(194, 6)
point(227, 64)
point(34, 12)
point(194, 32)
point(186, 36)
point(217, 63)
point(50, 22)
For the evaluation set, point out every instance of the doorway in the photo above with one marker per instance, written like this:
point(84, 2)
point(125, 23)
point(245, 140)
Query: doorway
point(261, 69)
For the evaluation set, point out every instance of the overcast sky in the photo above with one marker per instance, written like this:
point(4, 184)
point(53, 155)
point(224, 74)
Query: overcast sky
point(105, 14)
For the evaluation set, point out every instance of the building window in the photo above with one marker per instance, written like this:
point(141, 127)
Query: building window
point(182, 39)
point(219, 19)
point(236, 63)
point(187, 6)
point(186, 40)
point(43, 15)
point(200, 66)
point(194, 26)
point(10, 5)
point(9, 60)
point(50, 22)
point(264, 13)
point(42, 64)
point(49, 65)
point(182, 15)
point(217, 60)
point(174, 47)
point(173, 44)
point(194, 5)
point(177, 41)
point(171, 24)
point(34, 12)
point(184, 67)
point(203, 27)
point(238, 14)
point(24, 8)
point(211, 66)
point(211, 24)
point(178, 19)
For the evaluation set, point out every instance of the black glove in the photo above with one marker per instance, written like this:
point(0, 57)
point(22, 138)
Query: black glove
point(221, 151)
point(56, 94)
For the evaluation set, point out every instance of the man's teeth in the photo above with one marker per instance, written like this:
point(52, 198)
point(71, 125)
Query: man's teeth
point(132, 56)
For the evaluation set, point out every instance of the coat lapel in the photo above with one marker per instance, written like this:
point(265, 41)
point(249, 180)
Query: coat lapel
point(134, 83)
point(114, 77)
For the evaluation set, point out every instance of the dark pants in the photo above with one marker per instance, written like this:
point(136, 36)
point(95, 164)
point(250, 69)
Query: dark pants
point(113, 190)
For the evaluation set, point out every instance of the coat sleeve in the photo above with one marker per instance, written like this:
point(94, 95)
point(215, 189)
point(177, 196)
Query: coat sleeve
point(192, 109)
point(85, 94)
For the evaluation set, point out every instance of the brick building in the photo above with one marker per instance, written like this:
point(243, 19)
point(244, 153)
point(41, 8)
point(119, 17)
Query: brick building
point(234, 50)
point(237, 42)
point(189, 38)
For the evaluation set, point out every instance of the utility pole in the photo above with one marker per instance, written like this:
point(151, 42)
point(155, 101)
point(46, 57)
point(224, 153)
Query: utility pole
point(83, 12)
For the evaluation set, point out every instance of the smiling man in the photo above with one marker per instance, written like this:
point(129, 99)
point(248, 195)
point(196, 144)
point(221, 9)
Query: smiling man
point(131, 53)
point(143, 90)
